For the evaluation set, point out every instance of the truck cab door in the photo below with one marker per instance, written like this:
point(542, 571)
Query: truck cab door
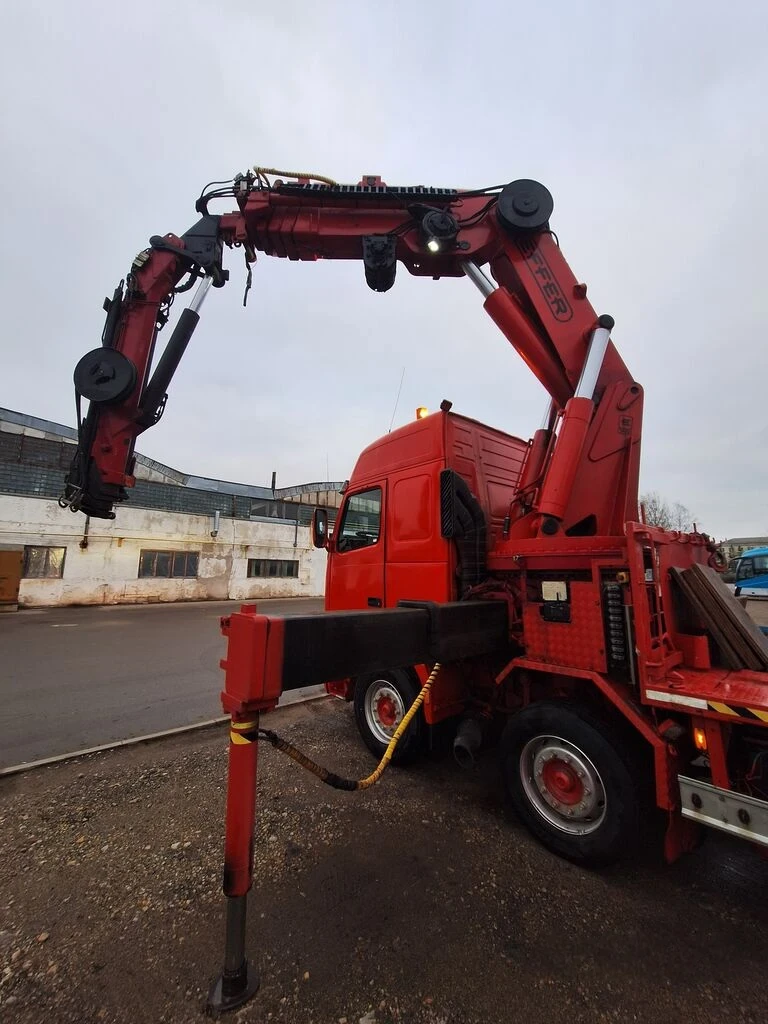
point(355, 576)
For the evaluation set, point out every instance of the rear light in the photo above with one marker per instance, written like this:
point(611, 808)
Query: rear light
point(699, 738)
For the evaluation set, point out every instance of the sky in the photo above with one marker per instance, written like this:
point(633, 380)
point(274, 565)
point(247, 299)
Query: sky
point(647, 122)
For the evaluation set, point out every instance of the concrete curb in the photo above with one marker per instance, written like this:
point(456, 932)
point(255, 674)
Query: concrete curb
point(27, 766)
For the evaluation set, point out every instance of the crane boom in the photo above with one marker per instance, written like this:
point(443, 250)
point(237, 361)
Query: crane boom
point(531, 294)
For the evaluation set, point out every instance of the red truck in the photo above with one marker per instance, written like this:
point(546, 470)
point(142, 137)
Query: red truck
point(584, 751)
point(513, 578)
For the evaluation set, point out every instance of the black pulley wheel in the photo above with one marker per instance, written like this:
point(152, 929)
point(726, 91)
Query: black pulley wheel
point(104, 376)
point(524, 206)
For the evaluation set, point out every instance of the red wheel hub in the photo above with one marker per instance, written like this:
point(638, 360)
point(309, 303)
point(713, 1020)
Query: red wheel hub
point(386, 711)
point(562, 782)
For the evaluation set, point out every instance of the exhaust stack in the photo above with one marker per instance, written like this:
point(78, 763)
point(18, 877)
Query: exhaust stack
point(467, 741)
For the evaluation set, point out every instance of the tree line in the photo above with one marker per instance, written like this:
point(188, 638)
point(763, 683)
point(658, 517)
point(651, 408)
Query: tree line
point(665, 514)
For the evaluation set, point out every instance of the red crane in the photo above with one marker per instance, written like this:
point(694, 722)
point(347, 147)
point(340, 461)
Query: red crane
point(516, 582)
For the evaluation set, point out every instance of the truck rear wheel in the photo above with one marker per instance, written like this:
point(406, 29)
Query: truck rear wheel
point(381, 701)
point(572, 782)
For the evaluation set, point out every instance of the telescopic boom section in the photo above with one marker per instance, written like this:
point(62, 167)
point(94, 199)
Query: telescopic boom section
point(582, 470)
point(124, 399)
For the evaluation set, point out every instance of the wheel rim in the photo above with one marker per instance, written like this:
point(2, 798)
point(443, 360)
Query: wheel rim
point(563, 785)
point(384, 709)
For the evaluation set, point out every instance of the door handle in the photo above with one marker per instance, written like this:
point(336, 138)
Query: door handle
point(374, 602)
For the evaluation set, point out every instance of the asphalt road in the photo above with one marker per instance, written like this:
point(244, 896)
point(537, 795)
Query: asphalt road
point(72, 678)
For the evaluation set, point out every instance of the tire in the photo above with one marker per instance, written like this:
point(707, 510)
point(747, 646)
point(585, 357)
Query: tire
point(381, 700)
point(573, 782)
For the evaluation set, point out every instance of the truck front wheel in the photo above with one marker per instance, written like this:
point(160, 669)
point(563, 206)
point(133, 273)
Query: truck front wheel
point(571, 782)
point(381, 701)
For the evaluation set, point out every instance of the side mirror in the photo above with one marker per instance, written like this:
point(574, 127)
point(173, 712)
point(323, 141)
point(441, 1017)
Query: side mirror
point(320, 527)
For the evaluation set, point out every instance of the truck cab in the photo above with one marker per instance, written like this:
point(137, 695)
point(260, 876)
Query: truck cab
point(389, 544)
point(422, 509)
point(749, 573)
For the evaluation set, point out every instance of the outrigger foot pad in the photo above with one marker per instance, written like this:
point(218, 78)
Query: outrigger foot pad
point(231, 990)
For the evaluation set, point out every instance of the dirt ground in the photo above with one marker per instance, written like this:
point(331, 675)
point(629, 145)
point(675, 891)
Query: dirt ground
point(422, 901)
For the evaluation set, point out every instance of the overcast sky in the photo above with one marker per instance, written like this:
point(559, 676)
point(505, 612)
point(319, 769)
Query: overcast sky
point(646, 121)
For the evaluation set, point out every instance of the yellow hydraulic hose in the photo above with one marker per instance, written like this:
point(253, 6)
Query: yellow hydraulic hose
point(330, 778)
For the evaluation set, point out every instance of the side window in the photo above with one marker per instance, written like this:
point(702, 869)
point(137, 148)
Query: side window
point(167, 564)
point(43, 563)
point(271, 567)
point(746, 570)
point(760, 565)
point(361, 521)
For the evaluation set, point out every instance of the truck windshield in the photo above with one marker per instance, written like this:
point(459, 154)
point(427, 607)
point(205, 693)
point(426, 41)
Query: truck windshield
point(361, 520)
point(749, 567)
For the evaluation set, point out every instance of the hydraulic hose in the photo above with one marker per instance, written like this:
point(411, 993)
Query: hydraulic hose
point(296, 174)
point(337, 781)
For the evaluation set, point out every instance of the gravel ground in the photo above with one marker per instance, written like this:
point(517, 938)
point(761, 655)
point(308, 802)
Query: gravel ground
point(758, 609)
point(419, 902)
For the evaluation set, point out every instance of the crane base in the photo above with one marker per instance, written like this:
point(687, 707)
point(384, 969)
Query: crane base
point(230, 991)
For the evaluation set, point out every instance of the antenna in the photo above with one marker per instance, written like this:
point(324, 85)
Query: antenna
point(400, 388)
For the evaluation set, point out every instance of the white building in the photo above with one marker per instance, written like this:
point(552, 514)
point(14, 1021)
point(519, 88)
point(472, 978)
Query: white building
point(178, 538)
point(738, 545)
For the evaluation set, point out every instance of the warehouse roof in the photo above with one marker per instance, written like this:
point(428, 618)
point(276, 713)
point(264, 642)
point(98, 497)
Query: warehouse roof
point(19, 422)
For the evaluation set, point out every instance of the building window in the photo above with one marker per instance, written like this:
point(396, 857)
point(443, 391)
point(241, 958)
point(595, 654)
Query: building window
point(274, 568)
point(168, 564)
point(44, 563)
point(361, 520)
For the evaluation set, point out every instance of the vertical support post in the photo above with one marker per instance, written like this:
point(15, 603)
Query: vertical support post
point(238, 980)
point(716, 748)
